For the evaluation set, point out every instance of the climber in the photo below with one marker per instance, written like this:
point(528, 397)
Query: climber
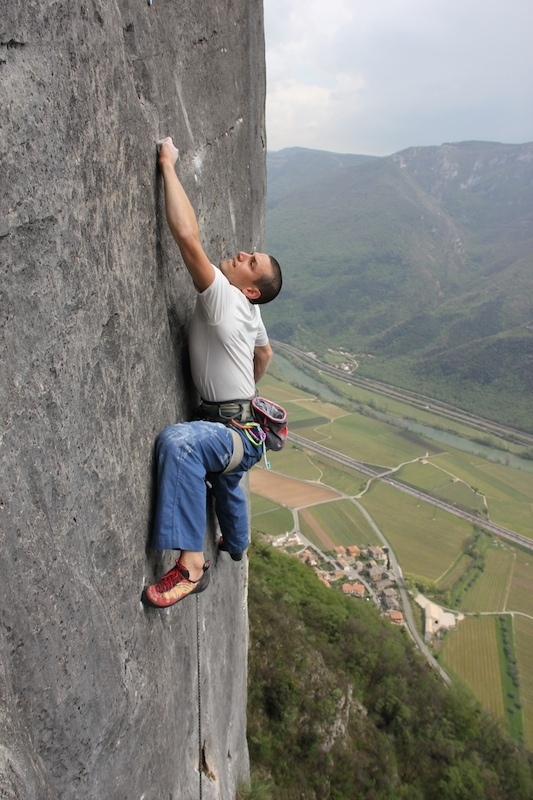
point(229, 353)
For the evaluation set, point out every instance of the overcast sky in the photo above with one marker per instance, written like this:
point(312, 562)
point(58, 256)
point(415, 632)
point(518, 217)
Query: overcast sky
point(376, 76)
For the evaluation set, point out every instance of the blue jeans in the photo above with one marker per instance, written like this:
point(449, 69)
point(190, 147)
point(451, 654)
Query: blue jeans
point(187, 454)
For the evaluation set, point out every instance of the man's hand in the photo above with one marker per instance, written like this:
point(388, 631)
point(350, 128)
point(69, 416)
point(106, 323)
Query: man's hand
point(168, 153)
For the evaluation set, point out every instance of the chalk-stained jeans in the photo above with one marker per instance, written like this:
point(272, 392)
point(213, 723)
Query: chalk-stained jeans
point(188, 454)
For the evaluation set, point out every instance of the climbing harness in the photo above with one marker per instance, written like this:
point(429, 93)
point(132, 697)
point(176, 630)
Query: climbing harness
point(241, 410)
point(263, 422)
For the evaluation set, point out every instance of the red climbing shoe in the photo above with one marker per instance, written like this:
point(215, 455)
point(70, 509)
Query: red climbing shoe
point(175, 585)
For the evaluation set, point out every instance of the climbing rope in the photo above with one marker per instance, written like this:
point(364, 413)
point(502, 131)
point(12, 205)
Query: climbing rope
point(200, 756)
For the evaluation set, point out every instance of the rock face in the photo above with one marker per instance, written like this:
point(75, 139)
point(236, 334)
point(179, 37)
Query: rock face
point(100, 696)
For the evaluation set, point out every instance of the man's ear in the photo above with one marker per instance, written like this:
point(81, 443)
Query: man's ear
point(251, 292)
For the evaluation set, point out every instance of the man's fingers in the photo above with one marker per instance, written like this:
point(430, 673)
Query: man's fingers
point(169, 145)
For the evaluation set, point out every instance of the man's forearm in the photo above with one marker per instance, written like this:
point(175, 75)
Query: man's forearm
point(262, 356)
point(180, 213)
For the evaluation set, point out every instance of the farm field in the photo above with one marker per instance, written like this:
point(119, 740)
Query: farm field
point(491, 589)
point(287, 491)
point(295, 463)
point(339, 523)
point(274, 522)
point(371, 441)
point(469, 480)
point(262, 505)
point(429, 476)
point(508, 492)
point(303, 464)
point(520, 596)
point(269, 517)
point(427, 542)
point(471, 652)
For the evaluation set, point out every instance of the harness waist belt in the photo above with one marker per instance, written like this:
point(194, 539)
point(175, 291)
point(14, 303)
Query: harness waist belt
point(241, 410)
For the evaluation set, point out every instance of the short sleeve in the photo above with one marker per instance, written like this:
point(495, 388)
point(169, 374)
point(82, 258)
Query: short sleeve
point(216, 300)
point(262, 336)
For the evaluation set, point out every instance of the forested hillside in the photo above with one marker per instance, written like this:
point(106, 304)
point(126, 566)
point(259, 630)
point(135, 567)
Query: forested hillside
point(420, 264)
point(342, 707)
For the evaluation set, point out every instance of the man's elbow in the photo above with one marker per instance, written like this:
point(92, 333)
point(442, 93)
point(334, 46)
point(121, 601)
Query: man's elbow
point(187, 239)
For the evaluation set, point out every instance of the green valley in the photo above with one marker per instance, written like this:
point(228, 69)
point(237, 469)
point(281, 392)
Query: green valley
point(480, 578)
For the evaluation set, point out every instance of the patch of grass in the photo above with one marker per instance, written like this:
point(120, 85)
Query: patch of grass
point(261, 505)
point(295, 462)
point(274, 523)
point(370, 441)
point(523, 642)
point(510, 677)
point(454, 573)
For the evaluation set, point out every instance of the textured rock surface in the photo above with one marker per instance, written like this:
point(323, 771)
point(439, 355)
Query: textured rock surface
point(99, 695)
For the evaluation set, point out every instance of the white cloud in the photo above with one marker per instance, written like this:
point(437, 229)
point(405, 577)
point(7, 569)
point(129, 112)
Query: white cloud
point(375, 76)
point(312, 111)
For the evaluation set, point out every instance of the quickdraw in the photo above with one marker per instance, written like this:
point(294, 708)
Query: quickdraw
point(255, 434)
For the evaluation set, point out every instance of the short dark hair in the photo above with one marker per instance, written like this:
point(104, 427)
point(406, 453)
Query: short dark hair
point(269, 285)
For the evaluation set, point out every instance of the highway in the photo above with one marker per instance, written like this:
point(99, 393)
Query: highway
point(421, 401)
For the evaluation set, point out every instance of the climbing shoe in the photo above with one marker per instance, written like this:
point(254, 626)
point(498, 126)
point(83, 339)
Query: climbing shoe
point(175, 585)
point(234, 556)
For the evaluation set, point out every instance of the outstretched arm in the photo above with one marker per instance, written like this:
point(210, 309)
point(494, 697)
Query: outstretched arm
point(182, 219)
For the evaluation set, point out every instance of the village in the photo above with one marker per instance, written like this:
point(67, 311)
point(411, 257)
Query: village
point(362, 573)
point(365, 573)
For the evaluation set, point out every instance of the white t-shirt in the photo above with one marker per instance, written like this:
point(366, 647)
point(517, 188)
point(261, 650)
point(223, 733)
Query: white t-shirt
point(225, 329)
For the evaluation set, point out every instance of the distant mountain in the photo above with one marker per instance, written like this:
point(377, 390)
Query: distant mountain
point(295, 167)
point(422, 260)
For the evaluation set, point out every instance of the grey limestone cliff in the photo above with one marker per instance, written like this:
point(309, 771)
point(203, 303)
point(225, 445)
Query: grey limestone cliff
point(102, 697)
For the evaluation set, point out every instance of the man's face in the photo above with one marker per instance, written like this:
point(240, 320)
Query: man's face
point(243, 270)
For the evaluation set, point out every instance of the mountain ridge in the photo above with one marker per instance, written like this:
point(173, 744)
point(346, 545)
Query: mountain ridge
point(421, 259)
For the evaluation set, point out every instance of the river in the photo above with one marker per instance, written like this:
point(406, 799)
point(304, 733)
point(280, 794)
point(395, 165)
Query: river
point(298, 377)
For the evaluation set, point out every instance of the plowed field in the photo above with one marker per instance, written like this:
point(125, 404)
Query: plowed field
point(287, 491)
